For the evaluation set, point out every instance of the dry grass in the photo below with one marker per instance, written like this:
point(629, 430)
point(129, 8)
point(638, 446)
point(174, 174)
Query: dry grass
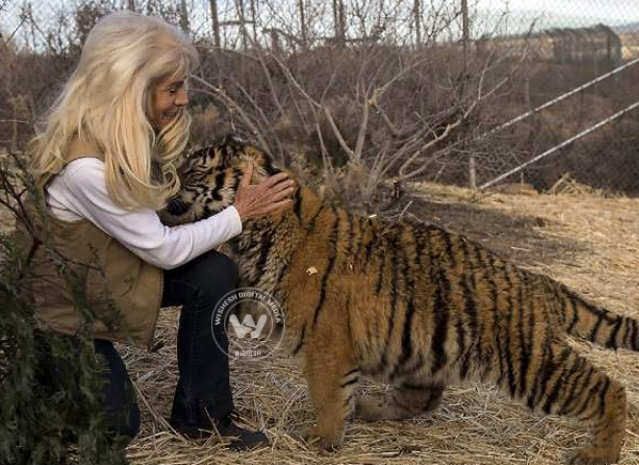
point(476, 424)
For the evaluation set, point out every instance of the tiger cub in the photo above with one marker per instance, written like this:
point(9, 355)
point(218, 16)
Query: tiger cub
point(411, 305)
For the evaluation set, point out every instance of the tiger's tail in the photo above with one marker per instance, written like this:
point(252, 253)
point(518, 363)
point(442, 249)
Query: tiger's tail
point(596, 324)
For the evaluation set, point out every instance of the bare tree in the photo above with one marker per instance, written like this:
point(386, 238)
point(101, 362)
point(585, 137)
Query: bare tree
point(216, 23)
point(369, 112)
point(339, 22)
point(254, 20)
point(368, 109)
point(472, 164)
point(184, 17)
point(417, 22)
point(239, 4)
point(303, 32)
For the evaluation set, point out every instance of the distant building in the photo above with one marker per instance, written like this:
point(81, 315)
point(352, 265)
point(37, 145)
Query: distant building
point(584, 45)
point(629, 45)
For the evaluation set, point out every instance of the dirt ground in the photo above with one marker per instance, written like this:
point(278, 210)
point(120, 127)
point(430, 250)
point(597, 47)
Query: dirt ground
point(590, 243)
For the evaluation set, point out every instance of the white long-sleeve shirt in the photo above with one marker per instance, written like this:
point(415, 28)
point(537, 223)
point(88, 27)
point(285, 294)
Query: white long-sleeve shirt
point(79, 192)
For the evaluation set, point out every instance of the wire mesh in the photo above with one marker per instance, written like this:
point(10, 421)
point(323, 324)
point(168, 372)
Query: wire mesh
point(565, 45)
point(387, 20)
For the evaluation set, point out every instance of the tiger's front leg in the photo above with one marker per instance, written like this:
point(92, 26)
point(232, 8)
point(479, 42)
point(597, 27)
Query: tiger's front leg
point(331, 375)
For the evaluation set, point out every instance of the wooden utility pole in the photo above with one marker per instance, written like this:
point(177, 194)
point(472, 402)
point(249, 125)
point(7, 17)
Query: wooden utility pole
point(417, 15)
point(302, 22)
point(216, 24)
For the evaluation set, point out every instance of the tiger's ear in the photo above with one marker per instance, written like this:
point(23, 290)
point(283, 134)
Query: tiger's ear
point(231, 147)
point(233, 140)
point(239, 139)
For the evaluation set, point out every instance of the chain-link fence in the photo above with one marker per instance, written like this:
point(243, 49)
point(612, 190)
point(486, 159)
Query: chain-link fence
point(317, 21)
point(529, 51)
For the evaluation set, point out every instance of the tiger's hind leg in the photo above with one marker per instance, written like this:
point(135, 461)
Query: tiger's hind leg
point(400, 403)
point(564, 383)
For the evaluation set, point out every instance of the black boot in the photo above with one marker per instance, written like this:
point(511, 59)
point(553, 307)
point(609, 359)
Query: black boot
point(227, 428)
point(243, 439)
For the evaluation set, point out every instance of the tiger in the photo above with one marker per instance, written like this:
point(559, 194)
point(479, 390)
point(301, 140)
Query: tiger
point(409, 304)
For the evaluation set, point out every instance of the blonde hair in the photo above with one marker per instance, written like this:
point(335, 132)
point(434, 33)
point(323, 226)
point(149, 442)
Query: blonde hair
point(106, 103)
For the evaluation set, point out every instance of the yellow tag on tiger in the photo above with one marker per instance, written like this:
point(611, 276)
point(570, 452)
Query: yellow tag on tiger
point(311, 270)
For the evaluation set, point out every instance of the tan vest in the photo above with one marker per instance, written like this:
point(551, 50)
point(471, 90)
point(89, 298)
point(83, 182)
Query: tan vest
point(116, 280)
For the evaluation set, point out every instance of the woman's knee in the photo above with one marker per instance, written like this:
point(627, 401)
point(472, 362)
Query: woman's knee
point(202, 282)
point(216, 270)
point(226, 266)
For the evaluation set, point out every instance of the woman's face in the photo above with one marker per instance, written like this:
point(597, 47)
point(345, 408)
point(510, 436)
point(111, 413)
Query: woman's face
point(169, 95)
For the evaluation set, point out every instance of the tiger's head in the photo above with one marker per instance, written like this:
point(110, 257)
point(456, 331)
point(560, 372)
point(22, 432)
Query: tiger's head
point(209, 179)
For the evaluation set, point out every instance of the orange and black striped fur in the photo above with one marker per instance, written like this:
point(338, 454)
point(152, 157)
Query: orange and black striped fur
point(411, 305)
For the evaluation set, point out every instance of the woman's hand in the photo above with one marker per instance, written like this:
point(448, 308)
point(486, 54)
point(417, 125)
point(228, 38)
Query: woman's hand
point(255, 200)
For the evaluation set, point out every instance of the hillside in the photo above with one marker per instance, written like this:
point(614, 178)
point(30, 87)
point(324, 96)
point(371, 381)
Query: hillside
point(627, 28)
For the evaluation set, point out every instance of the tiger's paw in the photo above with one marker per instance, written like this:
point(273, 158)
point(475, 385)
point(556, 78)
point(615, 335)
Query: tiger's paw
point(593, 456)
point(311, 436)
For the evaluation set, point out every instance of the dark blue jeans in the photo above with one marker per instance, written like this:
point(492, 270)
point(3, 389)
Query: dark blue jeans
point(203, 390)
point(121, 411)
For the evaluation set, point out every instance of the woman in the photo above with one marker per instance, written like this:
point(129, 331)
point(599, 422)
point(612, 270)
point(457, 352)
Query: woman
point(106, 162)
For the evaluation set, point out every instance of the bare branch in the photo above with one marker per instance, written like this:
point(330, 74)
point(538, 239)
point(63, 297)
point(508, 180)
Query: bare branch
point(363, 127)
point(232, 104)
point(336, 131)
point(292, 80)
